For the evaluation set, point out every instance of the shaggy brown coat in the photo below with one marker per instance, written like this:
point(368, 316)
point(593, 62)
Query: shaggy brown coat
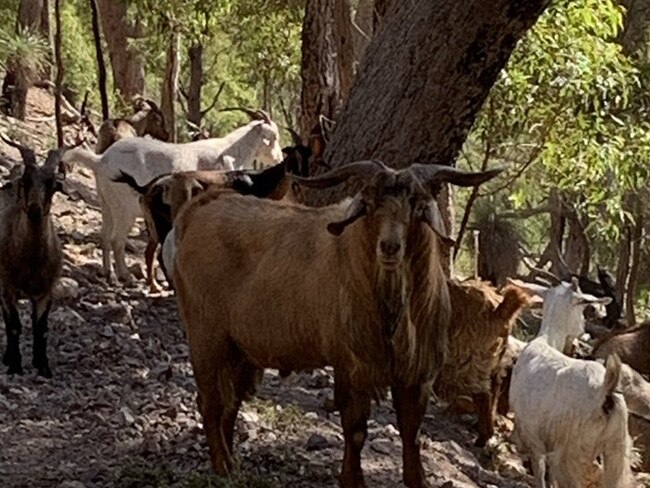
point(357, 285)
point(304, 299)
point(632, 346)
point(481, 323)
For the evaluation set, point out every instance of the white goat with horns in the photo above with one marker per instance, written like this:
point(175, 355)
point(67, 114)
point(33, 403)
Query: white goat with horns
point(567, 412)
point(146, 159)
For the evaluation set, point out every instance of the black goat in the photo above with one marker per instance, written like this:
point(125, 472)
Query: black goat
point(30, 254)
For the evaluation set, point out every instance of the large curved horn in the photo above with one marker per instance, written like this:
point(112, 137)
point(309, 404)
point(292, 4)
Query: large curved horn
point(28, 155)
point(250, 112)
point(433, 174)
point(262, 115)
point(358, 169)
point(154, 106)
point(297, 140)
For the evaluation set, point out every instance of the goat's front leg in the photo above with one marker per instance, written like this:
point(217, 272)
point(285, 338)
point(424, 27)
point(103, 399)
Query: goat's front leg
point(355, 410)
point(149, 260)
point(40, 313)
point(12, 357)
point(410, 404)
point(485, 412)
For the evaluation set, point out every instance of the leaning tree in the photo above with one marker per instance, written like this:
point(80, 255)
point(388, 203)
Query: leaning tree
point(423, 79)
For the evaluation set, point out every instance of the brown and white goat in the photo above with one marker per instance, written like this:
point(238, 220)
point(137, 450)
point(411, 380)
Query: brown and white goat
point(481, 321)
point(146, 120)
point(30, 255)
point(357, 285)
point(162, 198)
point(631, 345)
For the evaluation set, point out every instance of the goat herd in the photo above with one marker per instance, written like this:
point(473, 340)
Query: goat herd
point(263, 281)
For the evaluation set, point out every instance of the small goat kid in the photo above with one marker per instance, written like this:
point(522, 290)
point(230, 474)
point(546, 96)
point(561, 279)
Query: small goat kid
point(146, 159)
point(566, 410)
point(30, 255)
point(375, 303)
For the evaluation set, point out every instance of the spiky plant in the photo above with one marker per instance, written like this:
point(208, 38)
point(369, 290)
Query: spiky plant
point(24, 58)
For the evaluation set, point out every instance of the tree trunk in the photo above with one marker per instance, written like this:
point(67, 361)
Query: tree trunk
point(59, 74)
point(623, 267)
point(637, 243)
point(127, 62)
point(423, 79)
point(635, 25)
point(195, 53)
point(170, 85)
point(101, 66)
point(327, 60)
point(29, 15)
point(362, 27)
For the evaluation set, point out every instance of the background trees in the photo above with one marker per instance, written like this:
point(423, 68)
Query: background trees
point(565, 108)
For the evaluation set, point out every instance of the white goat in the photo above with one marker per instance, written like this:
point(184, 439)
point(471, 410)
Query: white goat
point(146, 159)
point(566, 410)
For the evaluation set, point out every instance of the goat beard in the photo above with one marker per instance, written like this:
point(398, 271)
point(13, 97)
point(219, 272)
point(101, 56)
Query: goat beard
point(392, 293)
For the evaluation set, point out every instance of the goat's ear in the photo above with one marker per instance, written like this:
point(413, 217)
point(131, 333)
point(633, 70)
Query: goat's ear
point(433, 218)
point(584, 299)
point(514, 300)
point(356, 210)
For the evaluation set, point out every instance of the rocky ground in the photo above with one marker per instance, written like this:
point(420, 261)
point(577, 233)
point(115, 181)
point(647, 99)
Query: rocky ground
point(121, 410)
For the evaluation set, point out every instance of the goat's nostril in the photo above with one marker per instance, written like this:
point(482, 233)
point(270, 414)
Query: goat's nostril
point(389, 248)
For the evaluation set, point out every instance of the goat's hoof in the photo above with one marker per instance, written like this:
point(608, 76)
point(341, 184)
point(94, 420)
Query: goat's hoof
point(481, 441)
point(155, 288)
point(352, 481)
point(15, 369)
point(111, 279)
point(44, 371)
point(42, 368)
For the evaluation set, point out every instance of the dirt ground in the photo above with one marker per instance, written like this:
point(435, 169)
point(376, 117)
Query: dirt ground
point(121, 408)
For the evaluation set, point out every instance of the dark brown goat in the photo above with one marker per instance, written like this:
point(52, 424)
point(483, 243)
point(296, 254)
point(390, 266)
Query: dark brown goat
point(357, 285)
point(632, 346)
point(146, 120)
point(30, 255)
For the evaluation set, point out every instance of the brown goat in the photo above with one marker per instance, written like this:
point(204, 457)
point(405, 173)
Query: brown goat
point(481, 321)
point(357, 285)
point(636, 391)
point(146, 120)
point(632, 346)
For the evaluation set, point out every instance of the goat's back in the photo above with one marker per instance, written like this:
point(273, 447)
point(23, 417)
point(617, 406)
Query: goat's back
point(245, 269)
point(632, 346)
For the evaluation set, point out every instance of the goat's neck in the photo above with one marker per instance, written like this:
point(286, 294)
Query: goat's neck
point(243, 148)
point(555, 329)
point(30, 238)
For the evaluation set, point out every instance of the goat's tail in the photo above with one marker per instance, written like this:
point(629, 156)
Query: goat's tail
point(81, 155)
point(612, 374)
point(130, 180)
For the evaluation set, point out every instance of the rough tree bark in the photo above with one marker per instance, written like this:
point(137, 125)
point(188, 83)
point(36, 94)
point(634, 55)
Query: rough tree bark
point(169, 88)
point(59, 74)
point(126, 61)
point(99, 55)
point(195, 54)
point(423, 79)
point(635, 24)
point(327, 60)
point(380, 9)
point(30, 15)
